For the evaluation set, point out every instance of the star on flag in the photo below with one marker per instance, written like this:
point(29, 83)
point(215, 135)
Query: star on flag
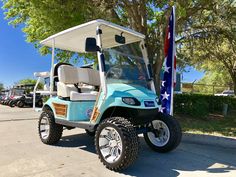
point(162, 109)
point(167, 69)
point(165, 96)
point(163, 83)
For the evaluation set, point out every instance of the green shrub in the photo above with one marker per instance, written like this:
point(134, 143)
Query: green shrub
point(200, 108)
point(45, 98)
point(201, 105)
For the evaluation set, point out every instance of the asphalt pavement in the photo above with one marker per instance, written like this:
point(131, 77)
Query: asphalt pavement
point(23, 155)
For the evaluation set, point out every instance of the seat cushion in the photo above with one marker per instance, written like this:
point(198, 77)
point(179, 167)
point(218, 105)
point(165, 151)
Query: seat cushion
point(64, 90)
point(75, 96)
point(89, 76)
point(68, 74)
point(86, 88)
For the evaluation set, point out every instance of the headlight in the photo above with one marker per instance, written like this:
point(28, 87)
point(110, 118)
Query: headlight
point(131, 101)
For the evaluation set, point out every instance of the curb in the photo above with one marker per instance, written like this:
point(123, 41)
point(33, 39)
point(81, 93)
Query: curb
point(227, 142)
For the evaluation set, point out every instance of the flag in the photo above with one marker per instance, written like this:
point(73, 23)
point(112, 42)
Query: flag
point(168, 79)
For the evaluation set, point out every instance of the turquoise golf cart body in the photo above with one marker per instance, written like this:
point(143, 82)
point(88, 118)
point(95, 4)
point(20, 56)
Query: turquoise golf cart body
point(113, 101)
point(82, 111)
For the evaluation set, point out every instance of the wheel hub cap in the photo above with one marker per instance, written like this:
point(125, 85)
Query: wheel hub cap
point(44, 128)
point(110, 144)
point(161, 135)
point(113, 143)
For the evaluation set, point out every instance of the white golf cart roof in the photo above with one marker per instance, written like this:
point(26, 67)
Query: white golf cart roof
point(73, 39)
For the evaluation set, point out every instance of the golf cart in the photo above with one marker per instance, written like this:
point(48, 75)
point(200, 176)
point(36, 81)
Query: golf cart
point(27, 100)
point(7, 97)
point(115, 103)
point(24, 97)
point(3, 96)
point(14, 93)
point(43, 77)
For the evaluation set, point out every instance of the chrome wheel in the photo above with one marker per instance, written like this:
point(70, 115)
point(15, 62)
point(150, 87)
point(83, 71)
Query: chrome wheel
point(49, 131)
point(44, 127)
point(110, 144)
point(160, 134)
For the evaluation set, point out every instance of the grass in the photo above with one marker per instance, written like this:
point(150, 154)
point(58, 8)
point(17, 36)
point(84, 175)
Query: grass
point(213, 125)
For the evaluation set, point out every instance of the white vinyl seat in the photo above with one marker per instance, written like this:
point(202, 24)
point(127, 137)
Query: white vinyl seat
point(69, 75)
point(75, 96)
point(64, 90)
point(86, 88)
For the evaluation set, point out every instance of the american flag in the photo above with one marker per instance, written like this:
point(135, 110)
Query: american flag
point(169, 68)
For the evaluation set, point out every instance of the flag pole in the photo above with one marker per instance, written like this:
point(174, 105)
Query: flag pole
point(173, 64)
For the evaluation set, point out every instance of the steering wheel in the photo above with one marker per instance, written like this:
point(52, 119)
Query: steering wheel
point(114, 72)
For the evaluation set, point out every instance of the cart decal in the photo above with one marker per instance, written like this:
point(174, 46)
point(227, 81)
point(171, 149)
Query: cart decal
point(149, 103)
point(89, 112)
point(95, 114)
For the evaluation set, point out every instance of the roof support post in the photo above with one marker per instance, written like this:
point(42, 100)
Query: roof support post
point(101, 62)
point(34, 93)
point(52, 68)
point(145, 57)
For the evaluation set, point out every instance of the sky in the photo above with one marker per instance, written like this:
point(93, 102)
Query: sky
point(19, 59)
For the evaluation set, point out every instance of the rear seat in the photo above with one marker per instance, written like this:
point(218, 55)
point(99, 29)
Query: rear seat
point(69, 75)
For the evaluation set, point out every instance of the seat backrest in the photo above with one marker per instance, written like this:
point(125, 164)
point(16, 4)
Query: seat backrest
point(55, 74)
point(89, 76)
point(72, 75)
point(68, 74)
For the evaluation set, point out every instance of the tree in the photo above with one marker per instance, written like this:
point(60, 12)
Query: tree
point(215, 80)
point(46, 17)
point(215, 44)
point(30, 81)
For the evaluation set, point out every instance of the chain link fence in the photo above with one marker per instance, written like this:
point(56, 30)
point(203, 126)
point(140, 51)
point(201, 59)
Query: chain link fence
point(224, 107)
point(204, 88)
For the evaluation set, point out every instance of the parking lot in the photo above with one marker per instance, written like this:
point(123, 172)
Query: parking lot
point(22, 154)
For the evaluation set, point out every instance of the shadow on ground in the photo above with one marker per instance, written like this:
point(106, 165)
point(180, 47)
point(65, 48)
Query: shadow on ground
point(186, 158)
point(81, 141)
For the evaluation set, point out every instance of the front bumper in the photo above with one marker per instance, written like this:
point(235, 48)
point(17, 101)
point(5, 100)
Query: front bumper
point(142, 116)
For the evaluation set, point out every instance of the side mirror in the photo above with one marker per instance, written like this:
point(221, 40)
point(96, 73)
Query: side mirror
point(120, 39)
point(91, 45)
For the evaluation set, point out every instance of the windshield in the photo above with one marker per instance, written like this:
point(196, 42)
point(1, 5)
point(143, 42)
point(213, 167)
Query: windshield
point(124, 64)
point(17, 92)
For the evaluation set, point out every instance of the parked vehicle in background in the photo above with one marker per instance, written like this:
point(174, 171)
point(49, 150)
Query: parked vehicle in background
point(43, 78)
point(10, 95)
point(3, 94)
point(22, 96)
point(15, 94)
point(226, 93)
point(27, 100)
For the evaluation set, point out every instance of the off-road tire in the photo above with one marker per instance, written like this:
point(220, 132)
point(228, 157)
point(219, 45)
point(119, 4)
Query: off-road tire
point(12, 104)
point(175, 134)
point(130, 142)
point(55, 130)
point(9, 103)
point(20, 104)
